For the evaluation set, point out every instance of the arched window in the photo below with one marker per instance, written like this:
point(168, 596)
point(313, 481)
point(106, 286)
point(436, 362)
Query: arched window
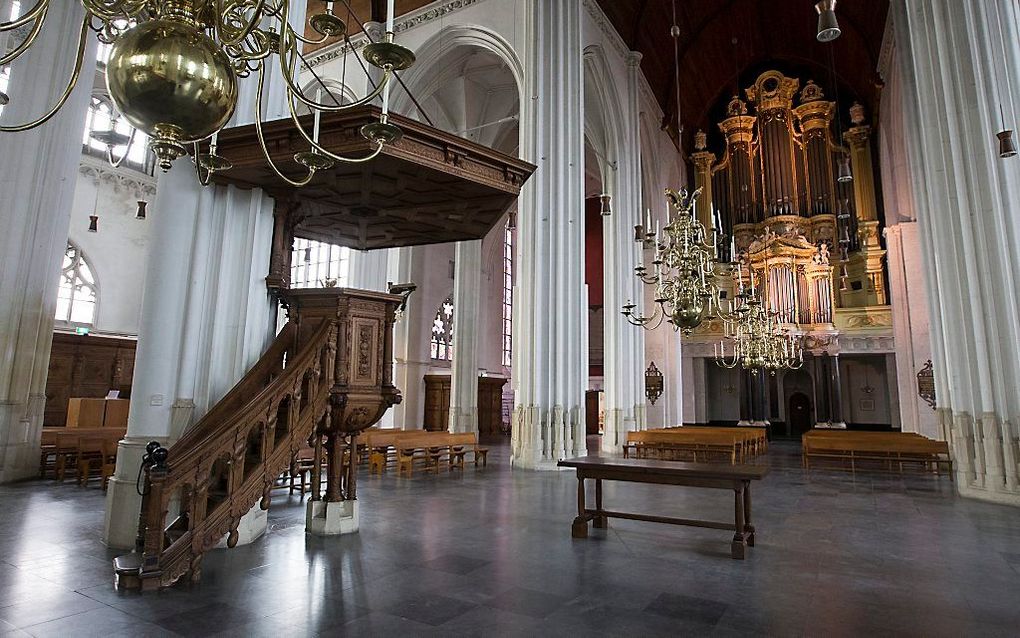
point(508, 293)
point(314, 264)
point(76, 293)
point(100, 117)
point(442, 331)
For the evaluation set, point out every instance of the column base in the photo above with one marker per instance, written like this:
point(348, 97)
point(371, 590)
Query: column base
point(120, 526)
point(250, 528)
point(20, 432)
point(760, 424)
point(331, 519)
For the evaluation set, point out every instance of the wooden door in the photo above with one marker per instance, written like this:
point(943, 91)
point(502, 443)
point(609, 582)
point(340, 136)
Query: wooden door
point(799, 413)
point(591, 411)
point(437, 402)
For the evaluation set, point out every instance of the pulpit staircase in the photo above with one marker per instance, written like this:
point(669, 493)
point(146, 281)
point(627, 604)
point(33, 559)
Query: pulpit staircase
point(322, 380)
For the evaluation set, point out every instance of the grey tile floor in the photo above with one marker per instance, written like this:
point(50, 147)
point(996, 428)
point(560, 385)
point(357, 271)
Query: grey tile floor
point(489, 553)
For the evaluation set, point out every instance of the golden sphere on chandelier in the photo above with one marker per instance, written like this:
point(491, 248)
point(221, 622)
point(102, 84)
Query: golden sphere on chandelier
point(172, 82)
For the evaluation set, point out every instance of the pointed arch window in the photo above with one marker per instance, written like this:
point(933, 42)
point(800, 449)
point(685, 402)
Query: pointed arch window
point(76, 292)
point(442, 332)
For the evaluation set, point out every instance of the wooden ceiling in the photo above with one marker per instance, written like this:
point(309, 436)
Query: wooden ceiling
point(768, 33)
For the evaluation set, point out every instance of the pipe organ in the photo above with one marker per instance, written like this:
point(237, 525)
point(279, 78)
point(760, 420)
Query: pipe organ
point(775, 189)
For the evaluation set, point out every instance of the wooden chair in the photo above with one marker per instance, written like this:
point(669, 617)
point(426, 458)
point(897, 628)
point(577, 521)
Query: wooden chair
point(91, 453)
point(301, 468)
point(66, 453)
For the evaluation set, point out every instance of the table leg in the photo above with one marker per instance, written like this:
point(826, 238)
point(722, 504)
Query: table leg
point(747, 514)
point(600, 522)
point(739, 546)
point(579, 529)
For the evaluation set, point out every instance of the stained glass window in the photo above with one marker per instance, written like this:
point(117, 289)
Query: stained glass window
point(76, 294)
point(442, 331)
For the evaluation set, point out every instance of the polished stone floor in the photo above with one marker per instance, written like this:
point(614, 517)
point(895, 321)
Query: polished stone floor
point(490, 554)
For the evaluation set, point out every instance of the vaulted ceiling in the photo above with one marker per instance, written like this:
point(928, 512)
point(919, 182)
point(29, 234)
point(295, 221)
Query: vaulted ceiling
point(726, 43)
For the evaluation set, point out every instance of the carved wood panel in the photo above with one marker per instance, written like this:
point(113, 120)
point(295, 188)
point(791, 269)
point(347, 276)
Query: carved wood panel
point(86, 366)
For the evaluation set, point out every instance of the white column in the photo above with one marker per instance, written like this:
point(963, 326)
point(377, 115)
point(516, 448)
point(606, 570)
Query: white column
point(911, 325)
point(410, 343)
point(206, 317)
point(624, 343)
point(38, 172)
point(368, 269)
point(550, 351)
point(961, 68)
point(467, 291)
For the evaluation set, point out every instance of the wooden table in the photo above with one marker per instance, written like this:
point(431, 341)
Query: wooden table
point(733, 477)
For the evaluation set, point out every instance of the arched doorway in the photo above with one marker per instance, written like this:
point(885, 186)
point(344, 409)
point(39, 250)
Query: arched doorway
point(799, 413)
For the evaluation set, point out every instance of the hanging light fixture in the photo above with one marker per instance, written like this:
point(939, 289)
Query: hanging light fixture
point(844, 174)
point(683, 269)
point(828, 26)
point(759, 340)
point(1006, 146)
point(174, 67)
point(93, 223)
point(140, 211)
point(606, 200)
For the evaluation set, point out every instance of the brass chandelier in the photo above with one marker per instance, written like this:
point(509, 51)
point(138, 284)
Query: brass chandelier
point(174, 66)
point(683, 268)
point(759, 340)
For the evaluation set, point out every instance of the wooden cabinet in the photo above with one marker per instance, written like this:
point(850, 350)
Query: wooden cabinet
point(86, 366)
point(490, 403)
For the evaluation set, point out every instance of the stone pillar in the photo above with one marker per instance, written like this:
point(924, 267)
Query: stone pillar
point(624, 344)
point(212, 319)
point(550, 353)
point(968, 53)
point(38, 169)
point(410, 343)
point(467, 290)
point(836, 398)
point(911, 326)
point(820, 377)
point(368, 269)
point(746, 394)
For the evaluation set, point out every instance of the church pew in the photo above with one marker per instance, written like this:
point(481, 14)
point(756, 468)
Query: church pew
point(882, 451)
point(432, 448)
point(732, 445)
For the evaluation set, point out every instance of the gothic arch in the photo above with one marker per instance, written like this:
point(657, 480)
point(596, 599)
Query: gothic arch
point(423, 77)
point(602, 108)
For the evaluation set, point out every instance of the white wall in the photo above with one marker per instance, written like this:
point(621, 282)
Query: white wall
point(117, 252)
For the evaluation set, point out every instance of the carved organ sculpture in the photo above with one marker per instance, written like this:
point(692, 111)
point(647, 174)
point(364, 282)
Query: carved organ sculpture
point(776, 189)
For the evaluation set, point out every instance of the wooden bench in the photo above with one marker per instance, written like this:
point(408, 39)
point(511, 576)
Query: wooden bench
point(878, 451)
point(697, 444)
point(378, 448)
point(732, 477)
point(62, 448)
point(432, 448)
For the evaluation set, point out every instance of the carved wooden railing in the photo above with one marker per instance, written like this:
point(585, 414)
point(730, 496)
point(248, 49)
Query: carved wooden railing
point(230, 459)
point(325, 378)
